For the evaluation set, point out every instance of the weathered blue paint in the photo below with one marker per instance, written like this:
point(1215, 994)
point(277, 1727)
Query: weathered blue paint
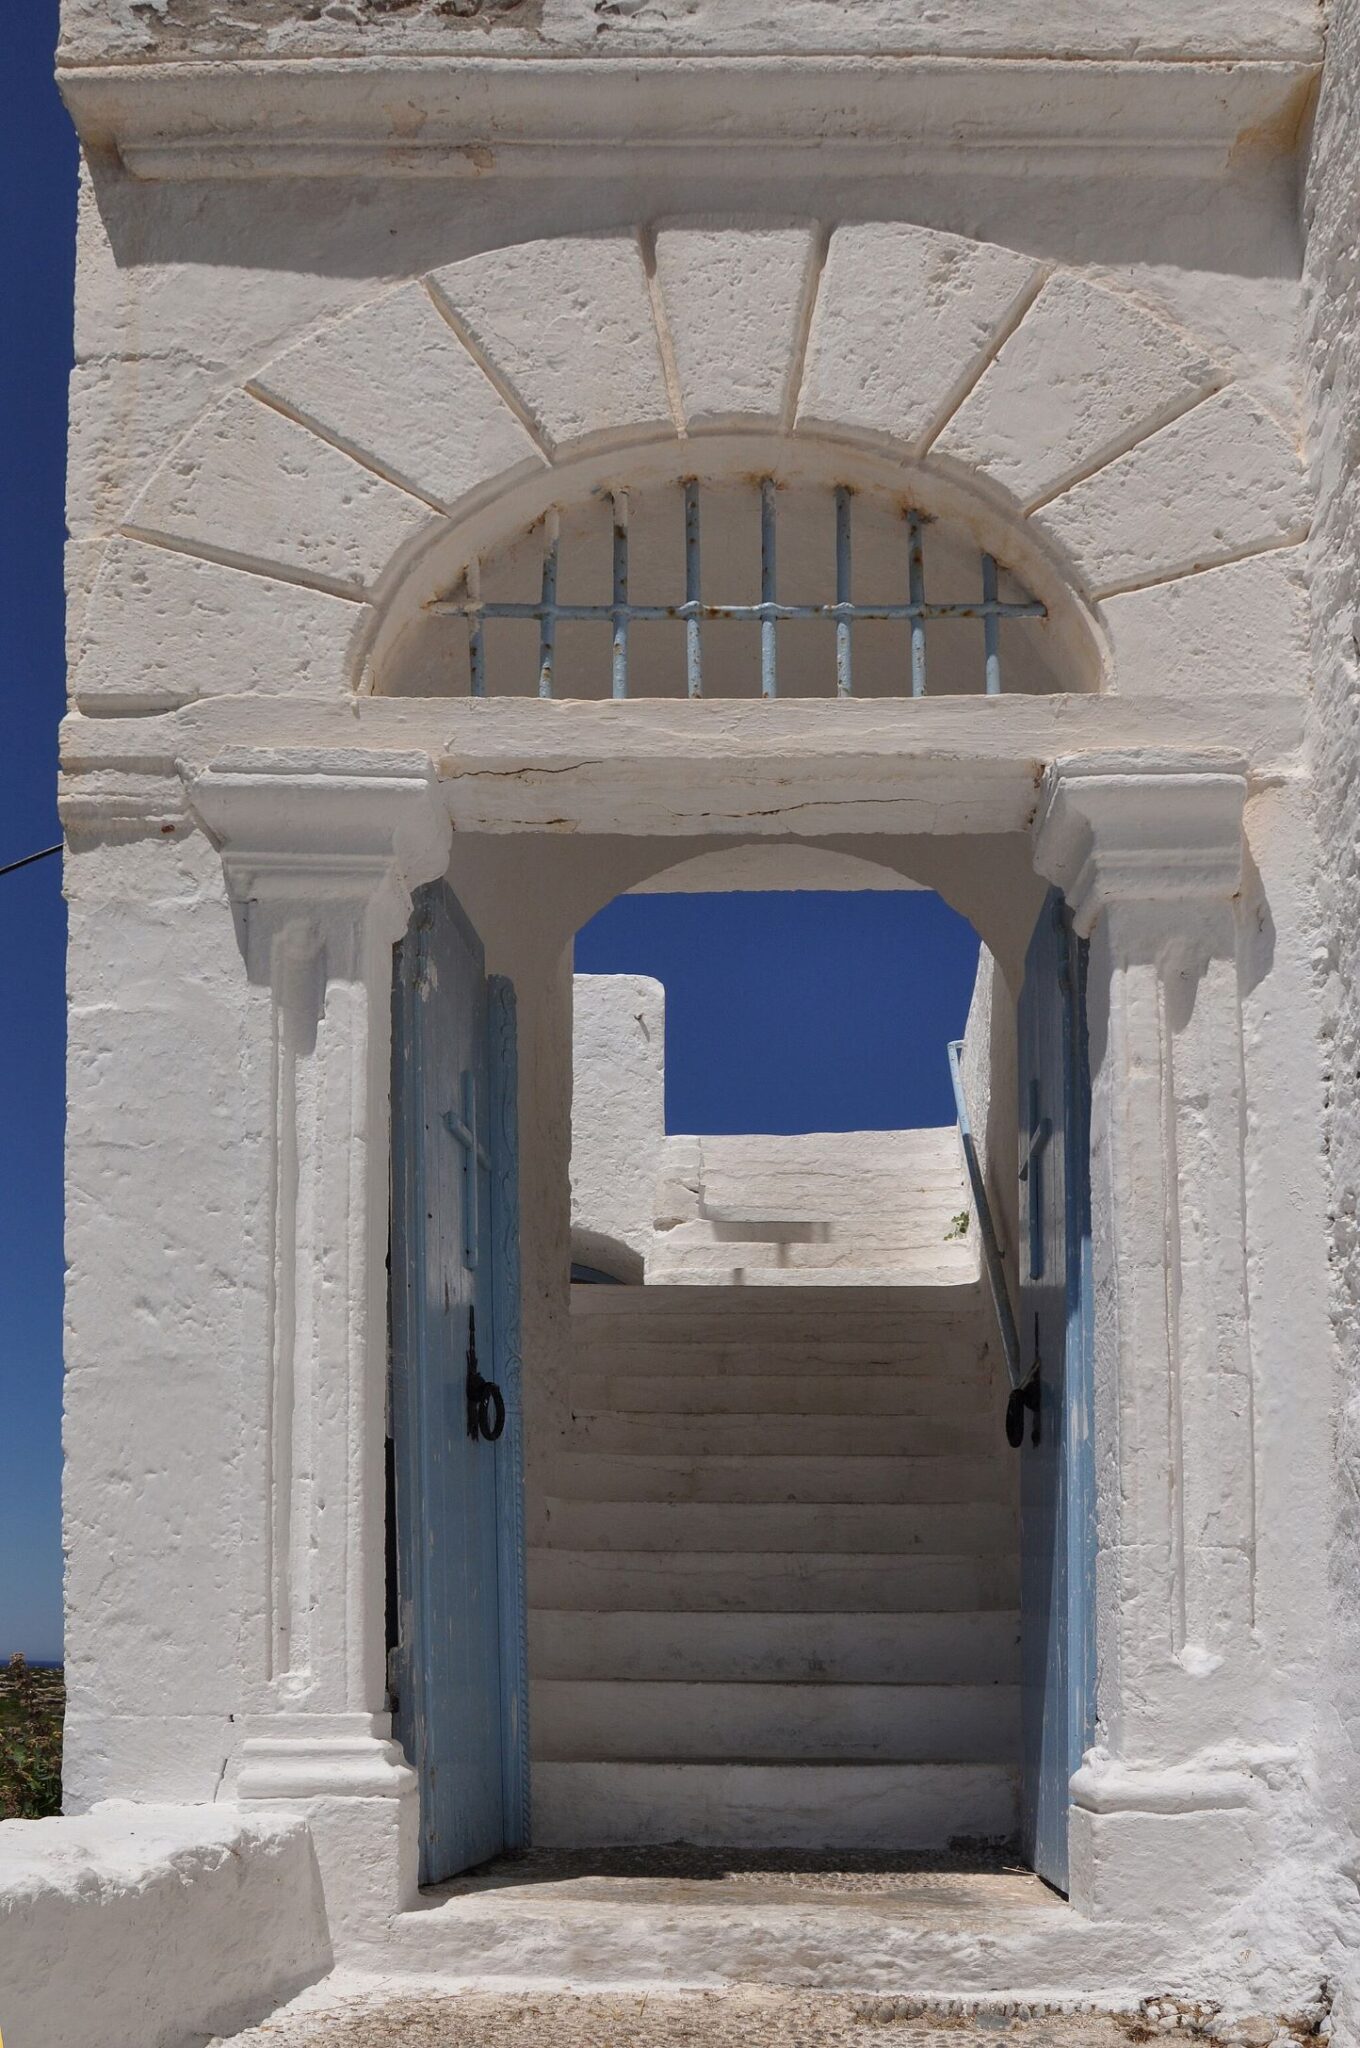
point(505, 1289)
point(1057, 1485)
point(456, 1599)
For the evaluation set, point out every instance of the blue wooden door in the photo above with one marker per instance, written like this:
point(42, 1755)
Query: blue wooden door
point(1057, 1476)
point(458, 1672)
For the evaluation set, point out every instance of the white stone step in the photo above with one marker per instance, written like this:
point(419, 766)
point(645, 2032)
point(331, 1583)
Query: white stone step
point(893, 1308)
point(976, 1528)
point(906, 1649)
point(785, 1582)
point(828, 1393)
point(610, 1720)
point(780, 1352)
point(605, 1476)
point(704, 1258)
point(797, 1806)
point(757, 1433)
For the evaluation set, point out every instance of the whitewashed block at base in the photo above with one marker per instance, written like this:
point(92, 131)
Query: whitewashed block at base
point(902, 315)
point(1085, 370)
point(251, 484)
point(111, 1754)
point(1215, 483)
point(734, 299)
point(394, 383)
point(569, 325)
point(1240, 627)
point(163, 629)
point(154, 1924)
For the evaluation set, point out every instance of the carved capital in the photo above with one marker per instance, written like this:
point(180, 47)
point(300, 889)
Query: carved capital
point(1141, 829)
point(309, 833)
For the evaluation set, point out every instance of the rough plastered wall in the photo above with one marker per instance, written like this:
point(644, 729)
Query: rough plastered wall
point(166, 30)
point(1332, 280)
point(153, 1429)
point(618, 1117)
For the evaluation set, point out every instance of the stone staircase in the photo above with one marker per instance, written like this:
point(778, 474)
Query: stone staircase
point(848, 1208)
point(777, 1600)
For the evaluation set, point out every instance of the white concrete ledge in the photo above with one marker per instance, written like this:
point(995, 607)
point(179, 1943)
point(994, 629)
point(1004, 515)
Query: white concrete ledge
point(470, 115)
point(154, 1924)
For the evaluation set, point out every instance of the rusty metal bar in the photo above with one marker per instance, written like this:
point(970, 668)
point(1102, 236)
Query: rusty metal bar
point(619, 644)
point(769, 679)
point(916, 591)
point(549, 611)
point(845, 611)
point(694, 660)
point(991, 629)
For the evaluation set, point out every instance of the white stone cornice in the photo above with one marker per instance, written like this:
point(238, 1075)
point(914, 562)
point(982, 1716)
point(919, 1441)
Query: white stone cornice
point(1120, 828)
point(310, 829)
point(564, 115)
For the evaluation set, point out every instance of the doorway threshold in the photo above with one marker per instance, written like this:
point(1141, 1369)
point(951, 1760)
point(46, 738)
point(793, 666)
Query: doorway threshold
point(961, 1923)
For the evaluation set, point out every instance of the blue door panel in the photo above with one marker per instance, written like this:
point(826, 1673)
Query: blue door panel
point(1057, 1472)
point(452, 1490)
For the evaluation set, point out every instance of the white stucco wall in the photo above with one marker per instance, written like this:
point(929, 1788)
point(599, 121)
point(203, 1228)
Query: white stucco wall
point(1333, 323)
point(618, 1116)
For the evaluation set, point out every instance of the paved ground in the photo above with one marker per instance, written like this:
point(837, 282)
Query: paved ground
point(716, 2019)
point(970, 1885)
point(973, 1884)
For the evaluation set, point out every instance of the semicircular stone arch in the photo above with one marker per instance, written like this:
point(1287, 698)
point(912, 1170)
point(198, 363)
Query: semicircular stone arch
point(265, 550)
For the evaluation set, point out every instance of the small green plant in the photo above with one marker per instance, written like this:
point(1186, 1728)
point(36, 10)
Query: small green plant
point(31, 1707)
point(958, 1225)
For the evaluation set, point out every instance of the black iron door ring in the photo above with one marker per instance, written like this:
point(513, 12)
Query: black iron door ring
point(490, 1396)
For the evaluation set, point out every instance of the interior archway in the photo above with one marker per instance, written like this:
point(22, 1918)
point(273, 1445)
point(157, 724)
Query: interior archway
point(689, 1681)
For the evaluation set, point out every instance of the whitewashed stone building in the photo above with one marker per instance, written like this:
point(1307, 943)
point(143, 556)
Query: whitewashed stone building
point(519, 448)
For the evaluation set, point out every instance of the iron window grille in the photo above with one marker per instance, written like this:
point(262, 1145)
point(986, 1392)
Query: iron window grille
point(916, 610)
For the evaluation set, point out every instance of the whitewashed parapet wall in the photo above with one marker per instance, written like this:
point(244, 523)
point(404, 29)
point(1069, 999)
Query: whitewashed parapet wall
point(618, 1118)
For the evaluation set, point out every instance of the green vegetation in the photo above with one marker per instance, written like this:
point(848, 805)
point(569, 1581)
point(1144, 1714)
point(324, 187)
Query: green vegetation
point(31, 1707)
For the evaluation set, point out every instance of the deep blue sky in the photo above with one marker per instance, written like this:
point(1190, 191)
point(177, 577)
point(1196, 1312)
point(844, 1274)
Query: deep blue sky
point(37, 225)
point(785, 1013)
point(799, 1012)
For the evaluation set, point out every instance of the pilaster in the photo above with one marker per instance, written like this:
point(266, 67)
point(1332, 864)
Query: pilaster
point(320, 858)
point(1149, 852)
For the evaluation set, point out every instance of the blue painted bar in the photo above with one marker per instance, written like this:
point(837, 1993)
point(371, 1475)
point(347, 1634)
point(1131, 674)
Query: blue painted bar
point(991, 628)
point(619, 643)
point(769, 679)
point(620, 612)
point(549, 611)
point(916, 590)
point(694, 670)
point(844, 675)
